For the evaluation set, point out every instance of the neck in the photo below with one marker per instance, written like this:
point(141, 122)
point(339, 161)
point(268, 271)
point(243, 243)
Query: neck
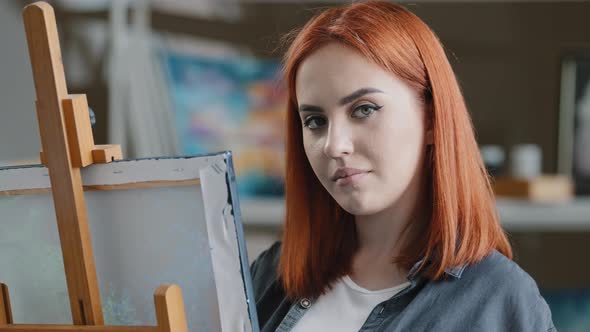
point(381, 234)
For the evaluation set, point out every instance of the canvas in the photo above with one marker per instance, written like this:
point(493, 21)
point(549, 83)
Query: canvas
point(152, 222)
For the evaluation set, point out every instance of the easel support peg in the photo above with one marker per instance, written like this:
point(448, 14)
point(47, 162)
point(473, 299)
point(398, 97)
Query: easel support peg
point(80, 139)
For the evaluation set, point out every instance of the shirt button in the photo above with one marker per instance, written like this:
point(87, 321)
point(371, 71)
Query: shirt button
point(305, 303)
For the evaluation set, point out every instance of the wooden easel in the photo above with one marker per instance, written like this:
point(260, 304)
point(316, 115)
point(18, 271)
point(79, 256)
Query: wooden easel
point(68, 145)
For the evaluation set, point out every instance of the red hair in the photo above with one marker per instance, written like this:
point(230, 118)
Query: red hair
point(319, 237)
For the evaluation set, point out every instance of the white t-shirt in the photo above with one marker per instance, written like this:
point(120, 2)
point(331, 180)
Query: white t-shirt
point(344, 308)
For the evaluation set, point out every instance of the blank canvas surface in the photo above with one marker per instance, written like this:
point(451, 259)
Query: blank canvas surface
point(31, 261)
point(144, 238)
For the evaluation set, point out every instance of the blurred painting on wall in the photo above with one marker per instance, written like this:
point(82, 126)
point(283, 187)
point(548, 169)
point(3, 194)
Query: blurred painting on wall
point(231, 103)
point(574, 131)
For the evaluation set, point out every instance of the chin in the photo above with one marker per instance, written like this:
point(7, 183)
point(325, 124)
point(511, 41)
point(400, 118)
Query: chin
point(357, 208)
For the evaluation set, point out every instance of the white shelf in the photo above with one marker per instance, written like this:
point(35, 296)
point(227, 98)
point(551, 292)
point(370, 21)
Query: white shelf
point(516, 215)
point(262, 212)
point(521, 215)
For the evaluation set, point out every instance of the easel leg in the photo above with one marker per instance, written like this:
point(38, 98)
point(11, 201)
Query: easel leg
point(170, 309)
point(5, 311)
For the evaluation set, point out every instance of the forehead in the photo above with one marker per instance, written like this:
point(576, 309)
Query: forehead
point(335, 70)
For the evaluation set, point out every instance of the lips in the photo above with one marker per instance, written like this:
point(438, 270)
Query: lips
point(345, 173)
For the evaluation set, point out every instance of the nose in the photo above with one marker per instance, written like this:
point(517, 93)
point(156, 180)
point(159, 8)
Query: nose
point(338, 142)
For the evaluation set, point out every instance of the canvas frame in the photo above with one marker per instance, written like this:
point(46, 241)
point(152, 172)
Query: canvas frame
point(216, 176)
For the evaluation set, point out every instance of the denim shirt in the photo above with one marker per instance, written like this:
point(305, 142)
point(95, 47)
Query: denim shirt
point(494, 294)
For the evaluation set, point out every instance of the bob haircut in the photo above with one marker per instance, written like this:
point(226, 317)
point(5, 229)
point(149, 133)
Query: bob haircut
point(319, 237)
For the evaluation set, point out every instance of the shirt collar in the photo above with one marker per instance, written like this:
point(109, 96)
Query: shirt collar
point(454, 271)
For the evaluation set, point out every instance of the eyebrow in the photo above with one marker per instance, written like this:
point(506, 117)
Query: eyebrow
point(343, 101)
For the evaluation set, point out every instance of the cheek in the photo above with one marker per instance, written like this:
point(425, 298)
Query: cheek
point(313, 150)
point(398, 144)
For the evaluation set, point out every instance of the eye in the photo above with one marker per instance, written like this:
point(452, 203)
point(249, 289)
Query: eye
point(314, 122)
point(364, 111)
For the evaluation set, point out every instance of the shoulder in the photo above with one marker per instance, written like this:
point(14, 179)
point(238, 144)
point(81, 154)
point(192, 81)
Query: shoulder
point(271, 303)
point(501, 283)
point(498, 272)
point(264, 269)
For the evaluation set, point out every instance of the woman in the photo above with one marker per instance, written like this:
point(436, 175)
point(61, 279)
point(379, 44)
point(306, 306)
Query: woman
point(390, 218)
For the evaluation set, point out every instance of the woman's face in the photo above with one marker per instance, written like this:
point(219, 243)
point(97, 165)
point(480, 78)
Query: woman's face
point(363, 129)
